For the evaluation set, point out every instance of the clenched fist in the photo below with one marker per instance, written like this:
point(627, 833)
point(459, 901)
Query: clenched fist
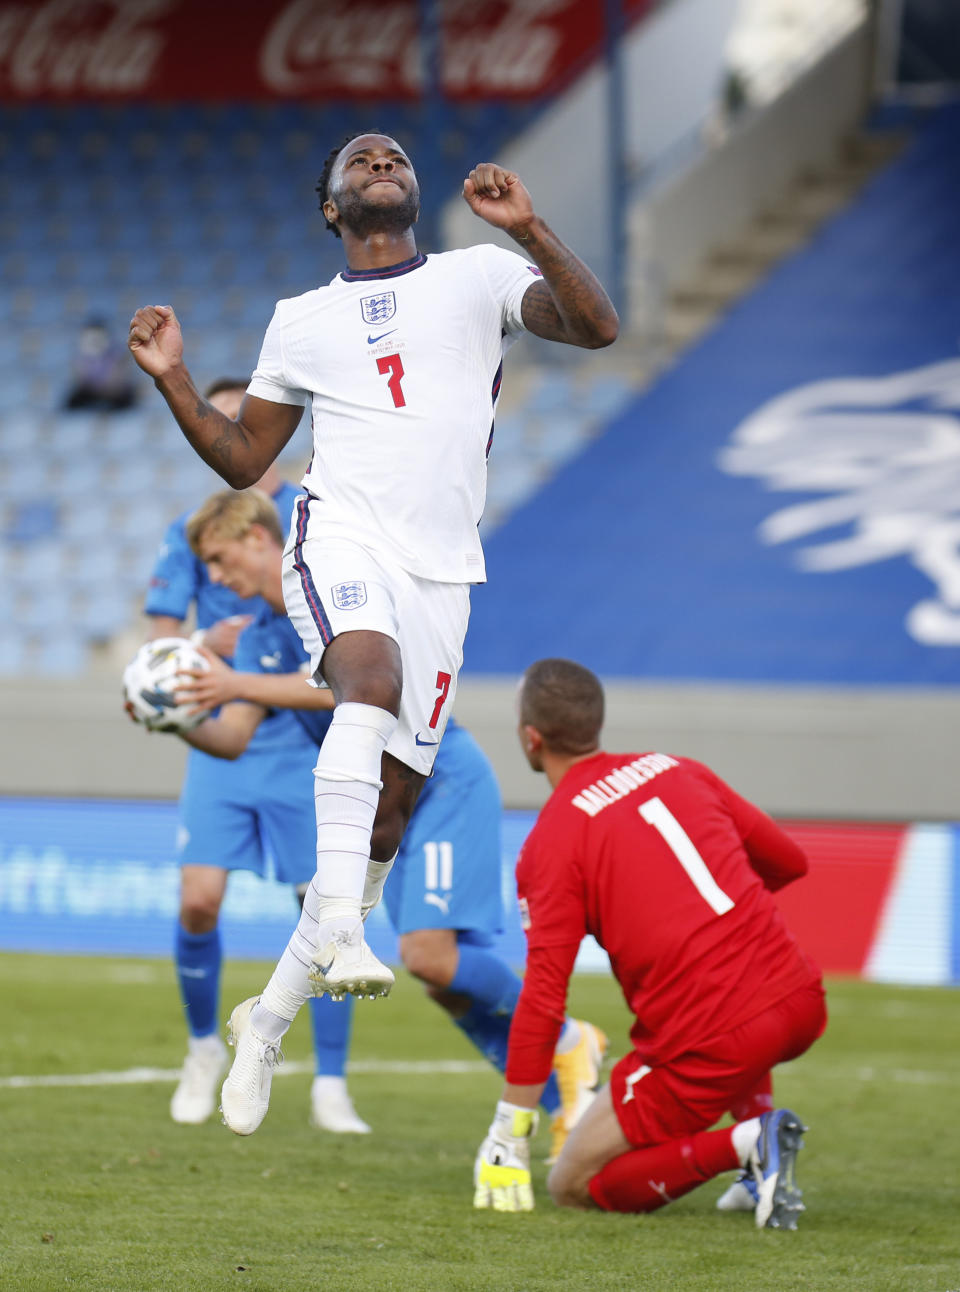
point(498, 196)
point(155, 339)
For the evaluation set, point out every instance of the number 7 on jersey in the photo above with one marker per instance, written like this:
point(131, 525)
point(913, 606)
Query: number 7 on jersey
point(391, 363)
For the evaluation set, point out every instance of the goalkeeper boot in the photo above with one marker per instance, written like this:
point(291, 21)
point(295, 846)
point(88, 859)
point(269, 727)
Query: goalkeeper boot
point(345, 965)
point(558, 1136)
point(773, 1163)
point(196, 1094)
point(331, 1108)
point(578, 1077)
point(741, 1195)
point(245, 1096)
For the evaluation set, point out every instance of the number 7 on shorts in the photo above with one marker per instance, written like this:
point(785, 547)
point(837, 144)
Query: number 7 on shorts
point(443, 686)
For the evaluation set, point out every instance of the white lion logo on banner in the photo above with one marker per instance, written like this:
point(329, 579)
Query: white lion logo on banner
point(885, 452)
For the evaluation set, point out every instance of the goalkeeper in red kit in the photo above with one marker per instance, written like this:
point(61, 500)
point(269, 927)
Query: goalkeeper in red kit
point(672, 872)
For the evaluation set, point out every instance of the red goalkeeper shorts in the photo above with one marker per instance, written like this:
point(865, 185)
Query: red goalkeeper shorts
point(690, 1092)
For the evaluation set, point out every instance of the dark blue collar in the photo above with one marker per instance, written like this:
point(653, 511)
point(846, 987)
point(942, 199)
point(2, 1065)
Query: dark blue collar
point(391, 271)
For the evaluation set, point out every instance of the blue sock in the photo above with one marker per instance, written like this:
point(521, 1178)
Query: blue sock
point(495, 990)
point(486, 979)
point(331, 1021)
point(198, 957)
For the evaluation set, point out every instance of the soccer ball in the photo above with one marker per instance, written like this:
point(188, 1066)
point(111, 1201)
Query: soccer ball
point(152, 677)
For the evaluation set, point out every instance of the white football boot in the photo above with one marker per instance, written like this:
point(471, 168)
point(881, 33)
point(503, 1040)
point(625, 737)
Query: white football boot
point(741, 1195)
point(345, 965)
point(245, 1096)
point(196, 1094)
point(331, 1108)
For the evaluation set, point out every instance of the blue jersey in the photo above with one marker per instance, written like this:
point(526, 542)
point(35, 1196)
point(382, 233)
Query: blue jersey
point(180, 578)
point(271, 645)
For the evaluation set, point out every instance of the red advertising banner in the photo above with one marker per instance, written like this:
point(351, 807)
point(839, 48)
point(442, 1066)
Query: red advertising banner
point(302, 49)
point(835, 910)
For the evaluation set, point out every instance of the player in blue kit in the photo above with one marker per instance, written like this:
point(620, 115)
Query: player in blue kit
point(226, 809)
point(444, 896)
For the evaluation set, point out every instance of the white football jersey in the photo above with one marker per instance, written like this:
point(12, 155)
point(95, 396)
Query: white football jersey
point(402, 367)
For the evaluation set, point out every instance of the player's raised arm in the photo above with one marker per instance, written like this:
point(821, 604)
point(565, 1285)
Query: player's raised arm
point(569, 305)
point(239, 450)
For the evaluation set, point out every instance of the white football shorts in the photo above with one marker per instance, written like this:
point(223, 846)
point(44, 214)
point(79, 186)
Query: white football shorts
point(333, 584)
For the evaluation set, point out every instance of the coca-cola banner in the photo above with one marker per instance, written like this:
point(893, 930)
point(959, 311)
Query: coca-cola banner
point(303, 49)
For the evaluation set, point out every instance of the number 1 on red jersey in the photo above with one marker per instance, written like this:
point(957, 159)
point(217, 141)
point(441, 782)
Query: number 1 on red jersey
point(656, 813)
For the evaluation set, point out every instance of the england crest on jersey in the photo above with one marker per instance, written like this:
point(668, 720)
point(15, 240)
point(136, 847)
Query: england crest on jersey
point(349, 596)
point(378, 309)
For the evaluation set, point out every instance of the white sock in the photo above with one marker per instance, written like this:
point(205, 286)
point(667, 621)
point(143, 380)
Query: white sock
point(329, 1086)
point(346, 791)
point(745, 1136)
point(269, 1025)
point(289, 985)
point(376, 877)
point(211, 1041)
point(569, 1037)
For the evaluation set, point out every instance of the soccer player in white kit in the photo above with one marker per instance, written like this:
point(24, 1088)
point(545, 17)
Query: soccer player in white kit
point(400, 360)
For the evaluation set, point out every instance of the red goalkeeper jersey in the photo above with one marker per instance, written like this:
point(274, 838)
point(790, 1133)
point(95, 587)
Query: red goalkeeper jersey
point(671, 871)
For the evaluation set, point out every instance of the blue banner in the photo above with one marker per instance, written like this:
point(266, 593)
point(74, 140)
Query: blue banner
point(783, 505)
point(79, 875)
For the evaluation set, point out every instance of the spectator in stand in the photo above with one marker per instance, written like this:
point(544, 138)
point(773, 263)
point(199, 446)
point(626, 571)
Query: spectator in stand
point(101, 379)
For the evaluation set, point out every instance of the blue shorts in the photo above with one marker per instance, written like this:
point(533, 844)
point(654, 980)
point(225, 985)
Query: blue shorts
point(235, 814)
point(448, 872)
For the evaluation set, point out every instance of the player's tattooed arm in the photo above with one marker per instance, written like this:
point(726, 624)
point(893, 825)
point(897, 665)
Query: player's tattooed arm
point(569, 305)
point(239, 451)
point(224, 444)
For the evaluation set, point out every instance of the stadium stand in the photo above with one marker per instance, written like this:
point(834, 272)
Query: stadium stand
point(210, 207)
point(646, 557)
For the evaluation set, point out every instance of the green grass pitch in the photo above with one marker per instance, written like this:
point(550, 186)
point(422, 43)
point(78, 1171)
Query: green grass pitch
point(100, 1190)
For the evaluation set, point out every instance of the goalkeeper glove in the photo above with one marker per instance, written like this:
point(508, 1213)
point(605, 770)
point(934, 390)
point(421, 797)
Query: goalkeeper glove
point(501, 1173)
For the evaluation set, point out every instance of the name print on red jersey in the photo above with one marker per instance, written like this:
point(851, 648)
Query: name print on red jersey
point(622, 780)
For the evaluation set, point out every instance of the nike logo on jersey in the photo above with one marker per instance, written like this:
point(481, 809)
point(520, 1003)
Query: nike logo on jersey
point(425, 742)
point(270, 661)
point(372, 340)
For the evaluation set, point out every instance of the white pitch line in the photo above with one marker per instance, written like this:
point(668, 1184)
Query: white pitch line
point(416, 1068)
point(145, 1076)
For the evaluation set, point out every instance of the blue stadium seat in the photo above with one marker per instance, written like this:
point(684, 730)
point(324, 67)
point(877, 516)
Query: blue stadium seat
point(24, 478)
point(41, 613)
point(31, 522)
point(83, 524)
point(106, 613)
point(63, 654)
point(19, 430)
